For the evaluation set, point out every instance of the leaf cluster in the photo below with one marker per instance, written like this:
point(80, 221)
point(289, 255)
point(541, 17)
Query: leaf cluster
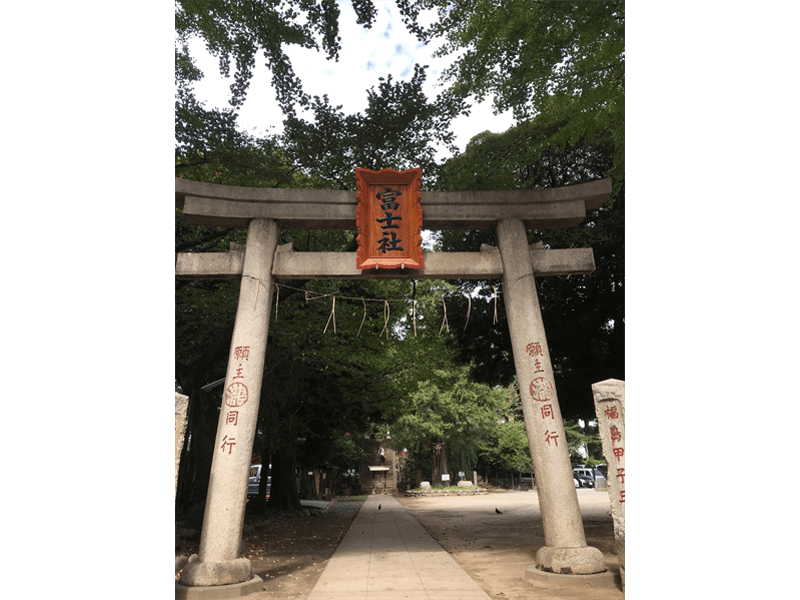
point(235, 32)
point(561, 61)
point(451, 407)
point(399, 129)
point(583, 314)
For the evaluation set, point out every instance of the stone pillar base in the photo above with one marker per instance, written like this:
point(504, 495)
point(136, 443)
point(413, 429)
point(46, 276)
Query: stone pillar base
point(219, 592)
point(552, 581)
point(207, 573)
point(570, 561)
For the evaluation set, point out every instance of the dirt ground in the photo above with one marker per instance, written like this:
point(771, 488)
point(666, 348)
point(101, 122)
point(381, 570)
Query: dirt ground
point(290, 553)
point(496, 549)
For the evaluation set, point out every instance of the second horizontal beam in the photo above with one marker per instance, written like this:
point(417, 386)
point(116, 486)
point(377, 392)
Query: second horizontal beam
point(289, 264)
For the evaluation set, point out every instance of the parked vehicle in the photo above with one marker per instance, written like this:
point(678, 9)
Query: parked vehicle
point(584, 481)
point(527, 479)
point(255, 481)
point(589, 473)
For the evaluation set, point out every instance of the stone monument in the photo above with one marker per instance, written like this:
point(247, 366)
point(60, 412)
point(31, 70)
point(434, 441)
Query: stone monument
point(181, 407)
point(609, 405)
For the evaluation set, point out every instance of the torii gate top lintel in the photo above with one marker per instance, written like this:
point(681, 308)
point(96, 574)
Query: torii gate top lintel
point(232, 206)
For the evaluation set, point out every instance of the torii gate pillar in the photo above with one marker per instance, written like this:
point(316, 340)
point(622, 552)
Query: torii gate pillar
point(565, 549)
point(218, 561)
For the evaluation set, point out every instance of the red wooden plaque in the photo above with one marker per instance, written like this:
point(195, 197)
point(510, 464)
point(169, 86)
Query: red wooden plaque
point(389, 219)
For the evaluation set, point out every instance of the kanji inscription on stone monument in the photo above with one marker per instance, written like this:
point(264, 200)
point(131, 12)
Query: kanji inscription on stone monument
point(609, 403)
point(389, 219)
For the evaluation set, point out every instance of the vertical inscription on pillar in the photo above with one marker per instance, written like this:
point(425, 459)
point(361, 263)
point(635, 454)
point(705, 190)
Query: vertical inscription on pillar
point(542, 390)
point(236, 396)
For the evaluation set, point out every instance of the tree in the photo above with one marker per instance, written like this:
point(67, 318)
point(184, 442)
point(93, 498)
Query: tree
point(399, 129)
point(449, 418)
point(237, 31)
point(319, 384)
point(562, 62)
point(209, 148)
point(510, 449)
point(583, 314)
point(582, 436)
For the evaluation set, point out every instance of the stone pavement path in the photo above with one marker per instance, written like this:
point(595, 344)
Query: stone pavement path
point(387, 555)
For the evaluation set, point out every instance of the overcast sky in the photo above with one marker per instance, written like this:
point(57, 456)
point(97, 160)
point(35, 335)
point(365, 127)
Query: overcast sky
point(367, 54)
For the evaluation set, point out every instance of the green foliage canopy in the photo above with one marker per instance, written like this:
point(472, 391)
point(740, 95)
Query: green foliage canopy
point(399, 129)
point(561, 61)
point(236, 31)
point(583, 314)
point(450, 407)
point(558, 65)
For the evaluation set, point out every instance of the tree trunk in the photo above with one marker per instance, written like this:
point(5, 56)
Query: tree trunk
point(308, 489)
point(284, 487)
point(438, 462)
point(202, 427)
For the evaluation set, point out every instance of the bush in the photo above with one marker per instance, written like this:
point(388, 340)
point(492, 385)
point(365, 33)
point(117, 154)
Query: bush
point(449, 488)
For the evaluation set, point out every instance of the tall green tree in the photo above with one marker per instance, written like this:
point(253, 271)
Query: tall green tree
point(583, 314)
point(238, 32)
point(399, 129)
point(562, 62)
point(449, 419)
point(582, 436)
point(324, 379)
point(510, 449)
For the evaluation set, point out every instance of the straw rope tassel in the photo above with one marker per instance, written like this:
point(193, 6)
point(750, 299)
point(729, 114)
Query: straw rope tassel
point(444, 320)
point(494, 287)
point(364, 302)
point(331, 316)
point(386, 313)
point(469, 310)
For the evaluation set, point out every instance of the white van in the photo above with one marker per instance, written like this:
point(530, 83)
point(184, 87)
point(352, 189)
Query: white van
point(588, 473)
point(255, 479)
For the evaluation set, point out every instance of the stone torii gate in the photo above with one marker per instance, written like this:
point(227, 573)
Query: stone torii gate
point(264, 211)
